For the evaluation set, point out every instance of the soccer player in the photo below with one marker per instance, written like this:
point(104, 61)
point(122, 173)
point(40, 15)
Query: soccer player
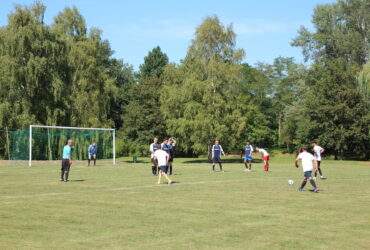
point(317, 154)
point(307, 166)
point(265, 157)
point(248, 156)
point(152, 149)
point(216, 155)
point(66, 161)
point(162, 158)
point(91, 152)
point(164, 147)
point(171, 144)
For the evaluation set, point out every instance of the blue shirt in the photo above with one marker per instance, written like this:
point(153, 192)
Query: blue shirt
point(216, 149)
point(92, 149)
point(248, 150)
point(170, 148)
point(67, 150)
point(165, 147)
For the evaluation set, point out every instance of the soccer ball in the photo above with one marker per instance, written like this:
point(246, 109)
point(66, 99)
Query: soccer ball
point(290, 182)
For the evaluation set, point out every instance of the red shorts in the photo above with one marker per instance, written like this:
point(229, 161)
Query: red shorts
point(266, 158)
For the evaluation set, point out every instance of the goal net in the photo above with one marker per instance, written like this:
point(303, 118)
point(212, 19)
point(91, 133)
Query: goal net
point(45, 143)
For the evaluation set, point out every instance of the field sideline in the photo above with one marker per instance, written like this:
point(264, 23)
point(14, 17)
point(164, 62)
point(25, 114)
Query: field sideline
point(121, 207)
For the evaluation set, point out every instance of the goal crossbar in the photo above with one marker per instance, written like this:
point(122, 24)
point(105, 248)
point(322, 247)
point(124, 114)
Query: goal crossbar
point(74, 128)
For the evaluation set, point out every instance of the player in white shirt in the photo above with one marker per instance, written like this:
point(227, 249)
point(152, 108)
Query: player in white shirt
point(308, 161)
point(317, 154)
point(265, 157)
point(162, 158)
point(153, 147)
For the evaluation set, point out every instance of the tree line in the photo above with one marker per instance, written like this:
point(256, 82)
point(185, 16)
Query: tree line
point(65, 74)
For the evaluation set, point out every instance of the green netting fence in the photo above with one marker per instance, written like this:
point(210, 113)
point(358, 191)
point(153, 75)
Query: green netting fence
point(48, 143)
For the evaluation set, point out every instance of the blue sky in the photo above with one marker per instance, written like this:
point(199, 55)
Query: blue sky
point(264, 28)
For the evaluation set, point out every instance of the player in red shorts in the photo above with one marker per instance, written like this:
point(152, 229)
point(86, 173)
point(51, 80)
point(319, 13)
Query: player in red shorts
point(265, 157)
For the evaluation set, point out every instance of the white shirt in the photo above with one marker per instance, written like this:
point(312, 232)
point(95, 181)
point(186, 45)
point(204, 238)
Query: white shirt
point(152, 150)
point(307, 161)
point(161, 156)
point(264, 152)
point(317, 149)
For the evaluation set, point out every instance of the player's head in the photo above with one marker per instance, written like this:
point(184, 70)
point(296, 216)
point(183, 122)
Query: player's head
point(70, 142)
point(155, 140)
point(314, 142)
point(165, 140)
point(248, 143)
point(258, 148)
point(94, 143)
point(304, 148)
point(217, 142)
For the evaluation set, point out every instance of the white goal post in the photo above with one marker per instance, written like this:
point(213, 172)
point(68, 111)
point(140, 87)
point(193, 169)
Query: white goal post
point(59, 127)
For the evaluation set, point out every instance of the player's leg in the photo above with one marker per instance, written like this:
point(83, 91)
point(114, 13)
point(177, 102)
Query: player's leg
point(66, 172)
point(245, 164)
point(88, 159)
point(159, 177)
point(168, 179)
point(154, 167)
point(94, 159)
point(213, 163)
point(62, 172)
point(170, 166)
point(320, 171)
point(250, 164)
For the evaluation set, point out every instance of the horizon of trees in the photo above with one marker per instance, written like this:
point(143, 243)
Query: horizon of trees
point(65, 74)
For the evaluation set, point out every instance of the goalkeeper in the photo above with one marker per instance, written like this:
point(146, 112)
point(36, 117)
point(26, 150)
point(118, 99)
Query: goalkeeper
point(91, 151)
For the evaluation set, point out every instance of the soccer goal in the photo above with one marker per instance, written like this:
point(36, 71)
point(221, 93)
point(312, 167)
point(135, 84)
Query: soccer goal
point(45, 143)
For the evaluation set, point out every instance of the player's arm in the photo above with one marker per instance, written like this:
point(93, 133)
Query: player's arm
point(213, 152)
point(250, 155)
point(222, 151)
point(151, 149)
point(322, 150)
point(296, 162)
point(168, 156)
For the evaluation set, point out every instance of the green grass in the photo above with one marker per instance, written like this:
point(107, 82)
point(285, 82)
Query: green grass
point(121, 207)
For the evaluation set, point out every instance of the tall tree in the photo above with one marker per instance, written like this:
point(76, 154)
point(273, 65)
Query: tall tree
point(199, 96)
point(142, 119)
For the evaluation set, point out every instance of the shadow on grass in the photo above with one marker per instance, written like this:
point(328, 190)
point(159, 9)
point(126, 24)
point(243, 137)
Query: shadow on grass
point(76, 180)
point(232, 160)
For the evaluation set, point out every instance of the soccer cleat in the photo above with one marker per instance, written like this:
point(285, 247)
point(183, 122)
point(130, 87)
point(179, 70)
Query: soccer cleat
point(66, 180)
point(322, 177)
point(61, 179)
point(316, 190)
point(300, 189)
point(170, 182)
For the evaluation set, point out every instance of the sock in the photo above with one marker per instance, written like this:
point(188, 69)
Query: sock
point(267, 167)
point(315, 174)
point(319, 172)
point(303, 184)
point(153, 170)
point(62, 175)
point(246, 165)
point(88, 164)
point(171, 169)
point(67, 173)
point(213, 167)
point(250, 166)
point(94, 162)
point(220, 166)
point(264, 167)
point(313, 183)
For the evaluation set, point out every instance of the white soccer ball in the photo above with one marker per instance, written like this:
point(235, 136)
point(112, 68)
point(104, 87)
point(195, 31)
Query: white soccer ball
point(290, 182)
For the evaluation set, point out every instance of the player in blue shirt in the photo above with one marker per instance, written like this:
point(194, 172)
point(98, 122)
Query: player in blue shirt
point(164, 147)
point(248, 156)
point(216, 155)
point(170, 145)
point(66, 160)
point(91, 153)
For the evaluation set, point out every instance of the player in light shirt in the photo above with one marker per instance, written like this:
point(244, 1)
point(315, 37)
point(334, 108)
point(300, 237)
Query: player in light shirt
point(153, 147)
point(317, 154)
point(308, 162)
point(162, 158)
point(265, 157)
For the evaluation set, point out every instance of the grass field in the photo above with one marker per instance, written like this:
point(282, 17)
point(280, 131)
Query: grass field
point(121, 207)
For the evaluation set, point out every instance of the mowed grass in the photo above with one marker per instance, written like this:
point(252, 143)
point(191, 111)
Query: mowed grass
point(121, 207)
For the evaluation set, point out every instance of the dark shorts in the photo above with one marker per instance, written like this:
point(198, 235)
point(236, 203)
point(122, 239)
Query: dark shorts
point(308, 174)
point(216, 159)
point(65, 165)
point(163, 168)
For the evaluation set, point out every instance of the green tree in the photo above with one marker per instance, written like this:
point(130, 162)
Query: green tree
point(142, 118)
point(199, 96)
